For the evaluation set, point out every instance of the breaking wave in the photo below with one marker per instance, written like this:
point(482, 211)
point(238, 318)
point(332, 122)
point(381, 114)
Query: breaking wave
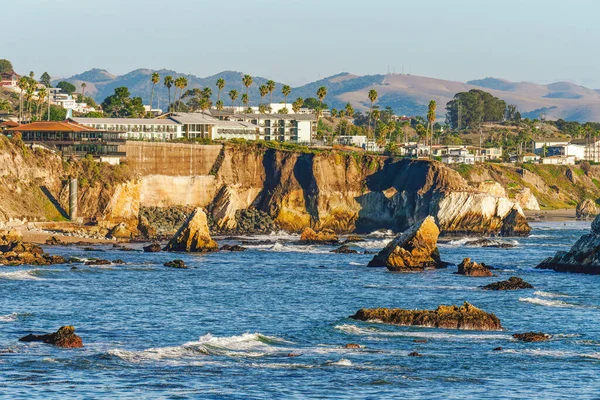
point(549, 294)
point(473, 242)
point(31, 275)
point(245, 345)
point(546, 302)
point(425, 334)
point(9, 317)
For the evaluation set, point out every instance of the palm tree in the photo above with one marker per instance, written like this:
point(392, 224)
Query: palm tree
point(219, 105)
point(373, 97)
point(42, 93)
point(247, 80)
point(321, 94)
point(83, 85)
point(180, 83)
point(168, 82)
point(271, 88)
point(220, 86)
point(297, 105)
point(233, 95)
point(245, 102)
point(286, 90)
point(263, 89)
point(154, 79)
point(349, 110)
point(22, 84)
point(376, 114)
point(206, 93)
point(431, 120)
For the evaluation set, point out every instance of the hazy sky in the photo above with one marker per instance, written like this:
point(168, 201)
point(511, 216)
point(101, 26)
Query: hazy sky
point(295, 41)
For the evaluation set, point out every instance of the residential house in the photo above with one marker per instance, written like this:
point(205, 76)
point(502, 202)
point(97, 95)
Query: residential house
point(9, 79)
point(492, 153)
point(530, 157)
point(358, 141)
point(566, 150)
point(559, 160)
point(540, 146)
point(458, 156)
point(591, 146)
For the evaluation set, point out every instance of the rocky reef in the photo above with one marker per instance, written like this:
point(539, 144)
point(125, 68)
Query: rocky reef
point(13, 251)
point(471, 268)
point(513, 283)
point(324, 236)
point(466, 316)
point(193, 236)
point(414, 250)
point(532, 337)
point(64, 337)
point(583, 257)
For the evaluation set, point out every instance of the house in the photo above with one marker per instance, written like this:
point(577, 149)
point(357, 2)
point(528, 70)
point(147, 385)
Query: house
point(541, 145)
point(458, 156)
point(559, 160)
point(591, 148)
point(9, 79)
point(575, 150)
point(358, 141)
point(72, 139)
point(530, 157)
point(492, 153)
point(226, 130)
point(135, 128)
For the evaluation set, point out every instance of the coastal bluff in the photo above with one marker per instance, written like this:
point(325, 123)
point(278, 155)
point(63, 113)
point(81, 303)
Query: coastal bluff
point(320, 189)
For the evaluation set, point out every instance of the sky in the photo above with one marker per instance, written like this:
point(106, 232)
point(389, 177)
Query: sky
point(296, 42)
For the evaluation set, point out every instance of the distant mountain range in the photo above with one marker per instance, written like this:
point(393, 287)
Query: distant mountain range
point(406, 94)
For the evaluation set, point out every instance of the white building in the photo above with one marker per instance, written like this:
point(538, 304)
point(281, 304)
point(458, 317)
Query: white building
point(136, 128)
point(559, 160)
point(358, 141)
point(592, 148)
point(539, 146)
point(567, 150)
point(458, 156)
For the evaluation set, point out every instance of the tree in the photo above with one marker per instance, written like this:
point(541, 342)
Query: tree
point(180, 83)
point(220, 86)
point(83, 85)
point(372, 97)
point(271, 88)
point(286, 90)
point(297, 105)
point(349, 111)
point(6, 66)
point(66, 87)
point(312, 103)
point(120, 105)
point(321, 94)
point(219, 105)
point(263, 90)
point(206, 93)
point(470, 109)
point(431, 118)
point(168, 82)
point(155, 78)
point(42, 94)
point(245, 102)
point(233, 95)
point(45, 80)
point(247, 81)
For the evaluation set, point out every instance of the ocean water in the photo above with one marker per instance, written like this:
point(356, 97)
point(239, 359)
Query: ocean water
point(272, 322)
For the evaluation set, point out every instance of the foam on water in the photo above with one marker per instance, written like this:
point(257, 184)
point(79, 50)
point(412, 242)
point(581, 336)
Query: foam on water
point(341, 363)
point(9, 317)
point(546, 302)
point(471, 242)
point(426, 334)
point(552, 353)
point(245, 345)
point(21, 275)
point(549, 294)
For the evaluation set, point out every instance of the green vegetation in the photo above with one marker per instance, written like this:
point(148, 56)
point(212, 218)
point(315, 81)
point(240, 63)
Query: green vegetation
point(120, 105)
point(5, 66)
point(66, 87)
point(470, 109)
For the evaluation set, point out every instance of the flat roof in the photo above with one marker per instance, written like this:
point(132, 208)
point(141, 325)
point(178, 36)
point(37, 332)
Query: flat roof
point(193, 118)
point(299, 117)
point(235, 124)
point(125, 121)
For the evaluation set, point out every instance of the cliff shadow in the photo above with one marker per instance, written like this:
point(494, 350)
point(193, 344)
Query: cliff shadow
point(54, 202)
point(303, 172)
point(272, 180)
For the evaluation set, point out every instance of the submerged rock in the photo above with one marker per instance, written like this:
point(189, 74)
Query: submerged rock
point(414, 354)
point(98, 261)
point(532, 337)
point(484, 242)
point(352, 346)
point(471, 268)
point(176, 264)
point(193, 236)
point(414, 250)
point(152, 248)
point(513, 283)
point(236, 247)
point(324, 236)
point(586, 209)
point(344, 250)
point(64, 337)
point(583, 257)
point(353, 239)
point(466, 316)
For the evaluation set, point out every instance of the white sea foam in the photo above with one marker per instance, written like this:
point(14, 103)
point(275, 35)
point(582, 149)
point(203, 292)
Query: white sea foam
point(342, 363)
point(21, 275)
point(546, 302)
point(425, 334)
point(382, 233)
point(356, 263)
point(472, 242)
point(245, 345)
point(373, 244)
point(9, 317)
point(549, 294)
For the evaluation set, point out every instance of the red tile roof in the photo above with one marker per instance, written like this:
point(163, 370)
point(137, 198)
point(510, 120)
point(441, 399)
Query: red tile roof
point(51, 126)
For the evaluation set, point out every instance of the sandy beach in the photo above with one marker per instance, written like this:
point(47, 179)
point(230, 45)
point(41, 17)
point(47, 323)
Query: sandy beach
point(551, 215)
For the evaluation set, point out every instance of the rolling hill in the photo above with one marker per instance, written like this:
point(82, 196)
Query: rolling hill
point(406, 94)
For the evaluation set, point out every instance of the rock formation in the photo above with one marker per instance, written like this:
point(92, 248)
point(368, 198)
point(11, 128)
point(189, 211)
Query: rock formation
point(527, 200)
point(344, 249)
point(466, 316)
point(176, 264)
point(532, 337)
point(223, 209)
point(586, 209)
point(583, 257)
point(324, 236)
point(120, 231)
point(13, 251)
point(64, 337)
point(193, 236)
point(471, 268)
point(414, 250)
point(152, 248)
point(513, 283)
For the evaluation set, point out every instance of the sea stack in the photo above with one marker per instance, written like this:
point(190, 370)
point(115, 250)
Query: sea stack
point(193, 236)
point(471, 268)
point(64, 337)
point(414, 250)
point(466, 317)
point(583, 257)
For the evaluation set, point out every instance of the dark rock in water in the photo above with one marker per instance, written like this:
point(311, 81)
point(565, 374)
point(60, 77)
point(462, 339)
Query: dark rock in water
point(92, 249)
point(471, 268)
point(75, 260)
point(352, 346)
point(152, 248)
point(294, 355)
point(498, 348)
point(466, 316)
point(532, 337)
point(420, 340)
point(324, 236)
point(193, 236)
point(13, 252)
point(98, 261)
point(74, 268)
point(54, 241)
point(369, 252)
point(513, 283)
point(118, 261)
point(64, 337)
point(123, 248)
point(489, 243)
point(414, 354)
point(237, 247)
point(353, 239)
point(257, 242)
point(176, 264)
point(583, 257)
point(414, 250)
point(344, 250)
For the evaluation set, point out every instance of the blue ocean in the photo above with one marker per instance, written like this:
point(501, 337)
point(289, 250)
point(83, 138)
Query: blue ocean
point(272, 322)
